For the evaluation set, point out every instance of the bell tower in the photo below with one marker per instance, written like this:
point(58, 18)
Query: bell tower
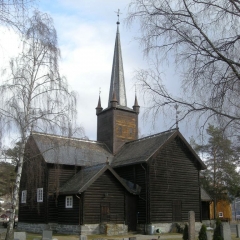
point(117, 124)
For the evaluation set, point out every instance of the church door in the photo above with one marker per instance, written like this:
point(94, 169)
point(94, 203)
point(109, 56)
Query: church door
point(177, 211)
point(105, 212)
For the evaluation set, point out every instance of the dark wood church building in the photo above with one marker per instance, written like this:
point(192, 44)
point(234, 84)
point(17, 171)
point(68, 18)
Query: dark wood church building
point(116, 184)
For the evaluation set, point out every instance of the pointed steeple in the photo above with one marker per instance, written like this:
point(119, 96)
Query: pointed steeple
point(99, 107)
point(117, 79)
point(136, 106)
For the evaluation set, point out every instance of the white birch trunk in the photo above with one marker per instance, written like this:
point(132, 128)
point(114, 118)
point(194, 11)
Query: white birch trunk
point(10, 228)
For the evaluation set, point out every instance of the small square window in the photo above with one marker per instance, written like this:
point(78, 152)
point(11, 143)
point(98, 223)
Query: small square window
point(40, 195)
point(24, 196)
point(69, 202)
point(220, 214)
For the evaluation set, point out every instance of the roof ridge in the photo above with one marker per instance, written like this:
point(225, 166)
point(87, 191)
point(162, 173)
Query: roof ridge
point(65, 137)
point(151, 136)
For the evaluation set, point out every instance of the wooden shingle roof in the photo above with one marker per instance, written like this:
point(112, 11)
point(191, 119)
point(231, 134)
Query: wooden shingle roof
point(143, 149)
point(85, 177)
point(205, 196)
point(71, 151)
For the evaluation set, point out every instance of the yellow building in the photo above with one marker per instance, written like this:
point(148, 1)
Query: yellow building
point(223, 211)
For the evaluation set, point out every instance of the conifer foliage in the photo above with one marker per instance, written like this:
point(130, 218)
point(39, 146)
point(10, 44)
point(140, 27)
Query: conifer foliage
point(203, 233)
point(221, 178)
point(217, 231)
point(185, 232)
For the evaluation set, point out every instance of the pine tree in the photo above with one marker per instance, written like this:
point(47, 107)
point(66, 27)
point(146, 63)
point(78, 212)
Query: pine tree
point(221, 178)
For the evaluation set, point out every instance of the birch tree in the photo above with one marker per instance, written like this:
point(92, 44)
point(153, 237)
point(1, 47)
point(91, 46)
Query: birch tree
point(12, 12)
point(201, 42)
point(35, 96)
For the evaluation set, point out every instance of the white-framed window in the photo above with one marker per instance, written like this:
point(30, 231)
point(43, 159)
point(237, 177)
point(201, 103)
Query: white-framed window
point(220, 214)
point(69, 202)
point(24, 196)
point(40, 195)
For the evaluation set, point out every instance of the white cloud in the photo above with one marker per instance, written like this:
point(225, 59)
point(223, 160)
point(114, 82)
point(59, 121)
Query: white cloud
point(9, 46)
point(86, 35)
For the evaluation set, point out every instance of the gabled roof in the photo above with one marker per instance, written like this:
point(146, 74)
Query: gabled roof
point(71, 151)
point(87, 176)
point(143, 149)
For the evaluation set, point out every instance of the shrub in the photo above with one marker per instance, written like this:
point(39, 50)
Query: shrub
point(179, 227)
point(185, 232)
point(217, 231)
point(203, 233)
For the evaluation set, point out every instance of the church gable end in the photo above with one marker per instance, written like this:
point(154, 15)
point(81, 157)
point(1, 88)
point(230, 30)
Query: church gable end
point(173, 184)
point(104, 200)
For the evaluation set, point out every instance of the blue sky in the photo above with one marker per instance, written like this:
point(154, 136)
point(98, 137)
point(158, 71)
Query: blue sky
point(86, 31)
point(86, 35)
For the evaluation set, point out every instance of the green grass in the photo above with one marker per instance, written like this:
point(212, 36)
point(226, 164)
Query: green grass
point(31, 236)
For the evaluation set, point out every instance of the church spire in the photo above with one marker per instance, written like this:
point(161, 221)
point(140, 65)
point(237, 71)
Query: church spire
point(117, 79)
point(99, 106)
point(136, 106)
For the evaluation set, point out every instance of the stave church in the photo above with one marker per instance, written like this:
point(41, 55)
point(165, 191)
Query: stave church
point(115, 185)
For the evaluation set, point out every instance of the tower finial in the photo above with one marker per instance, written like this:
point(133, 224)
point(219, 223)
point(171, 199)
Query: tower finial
point(99, 107)
point(118, 13)
point(136, 107)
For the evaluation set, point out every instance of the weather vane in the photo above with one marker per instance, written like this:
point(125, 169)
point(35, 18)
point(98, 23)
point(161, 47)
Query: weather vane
point(99, 91)
point(118, 13)
point(177, 112)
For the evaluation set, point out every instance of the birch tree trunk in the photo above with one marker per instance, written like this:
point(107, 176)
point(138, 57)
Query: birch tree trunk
point(10, 231)
point(34, 94)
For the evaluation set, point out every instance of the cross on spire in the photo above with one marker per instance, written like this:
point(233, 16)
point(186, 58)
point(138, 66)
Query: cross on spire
point(118, 13)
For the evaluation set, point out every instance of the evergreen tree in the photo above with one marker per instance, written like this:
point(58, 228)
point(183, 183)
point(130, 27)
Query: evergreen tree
point(185, 232)
point(217, 231)
point(221, 179)
point(203, 233)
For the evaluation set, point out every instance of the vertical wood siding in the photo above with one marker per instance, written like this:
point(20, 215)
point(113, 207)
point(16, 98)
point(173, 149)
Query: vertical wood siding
point(105, 191)
point(173, 178)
